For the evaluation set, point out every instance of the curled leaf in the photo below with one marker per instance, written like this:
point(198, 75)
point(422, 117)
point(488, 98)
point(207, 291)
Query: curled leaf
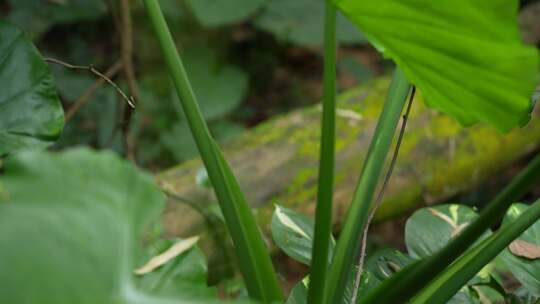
point(167, 255)
point(525, 249)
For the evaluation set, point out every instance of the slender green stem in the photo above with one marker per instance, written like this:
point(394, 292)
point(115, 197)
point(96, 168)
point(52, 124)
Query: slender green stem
point(463, 269)
point(256, 265)
point(400, 288)
point(349, 241)
point(323, 213)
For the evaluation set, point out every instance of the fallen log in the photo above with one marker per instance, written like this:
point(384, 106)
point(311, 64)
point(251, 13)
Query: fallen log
point(276, 162)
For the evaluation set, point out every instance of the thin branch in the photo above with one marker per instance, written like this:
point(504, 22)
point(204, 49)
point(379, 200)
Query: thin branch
point(90, 68)
point(89, 93)
point(129, 72)
point(380, 196)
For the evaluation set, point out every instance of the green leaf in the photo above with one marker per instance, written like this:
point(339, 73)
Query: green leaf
point(527, 271)
point(183, 275)
point(465, 56)
point(293, 233)
point(256, 265)
point(30, 113)
point(74, 237)
point(299, 293)
point(221, 12)
point(301, 22)
point(220, 87)
point(430, 229)
point(403, 285)
point(455, 276)
point(358, 213)
point(383, 263)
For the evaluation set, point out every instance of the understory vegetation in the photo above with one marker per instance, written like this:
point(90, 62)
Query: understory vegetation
point(99, 96)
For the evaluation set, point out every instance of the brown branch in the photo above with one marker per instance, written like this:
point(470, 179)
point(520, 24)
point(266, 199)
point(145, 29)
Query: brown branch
point(129, 73)
point(380, 196)
point(91, 69)
point(89, 93)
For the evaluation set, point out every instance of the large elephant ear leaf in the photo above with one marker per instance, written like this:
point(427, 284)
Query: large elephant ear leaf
point(466, 56)
point(31, 115)
point(76, 235)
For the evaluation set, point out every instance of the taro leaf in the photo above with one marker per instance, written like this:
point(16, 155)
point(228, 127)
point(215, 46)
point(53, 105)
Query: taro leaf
point(301, 22)
point(219, 87)
point(299, 293)
point(293, 233)
point(30, 112)
point(184, 274)
point(430, 229)
point(466, 56)
point(38, 16)
point(74, 237)
point(527, 271)
point(221, 12)
point(385, 262)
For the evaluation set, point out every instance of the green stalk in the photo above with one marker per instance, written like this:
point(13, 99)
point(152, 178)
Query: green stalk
point(348, 244)
point(255, 263)
point(460, 272)
point(399, 288)
point(323, 212)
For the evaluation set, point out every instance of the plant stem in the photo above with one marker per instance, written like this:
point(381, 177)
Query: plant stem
point(378, 200)
point(349, 240)
point(323, 212)
point(400, 288)
point(126, 43)
point(255, 263)
point(469, 264)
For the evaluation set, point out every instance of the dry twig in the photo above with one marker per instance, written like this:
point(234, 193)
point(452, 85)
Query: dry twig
point(379, 198)
point(129, 100)
point(89, 93)
point(129, 73)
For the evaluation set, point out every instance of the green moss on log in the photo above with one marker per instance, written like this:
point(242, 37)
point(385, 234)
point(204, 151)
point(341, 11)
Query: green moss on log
point(276, 162)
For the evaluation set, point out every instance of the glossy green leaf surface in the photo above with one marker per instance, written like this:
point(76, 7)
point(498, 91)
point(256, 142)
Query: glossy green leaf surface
point(221, 12)
point(30, 112)
point(301, 22)
point(465, 56)
point(527, 271)
point(430, 229)
point(293, 233)
point(75, 237)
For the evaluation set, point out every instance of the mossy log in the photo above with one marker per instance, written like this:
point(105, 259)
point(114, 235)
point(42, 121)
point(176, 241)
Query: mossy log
point(276, 162)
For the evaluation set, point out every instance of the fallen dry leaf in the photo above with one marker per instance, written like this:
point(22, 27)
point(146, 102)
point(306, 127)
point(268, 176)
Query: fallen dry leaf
point(525, 249)
point(167, 255)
